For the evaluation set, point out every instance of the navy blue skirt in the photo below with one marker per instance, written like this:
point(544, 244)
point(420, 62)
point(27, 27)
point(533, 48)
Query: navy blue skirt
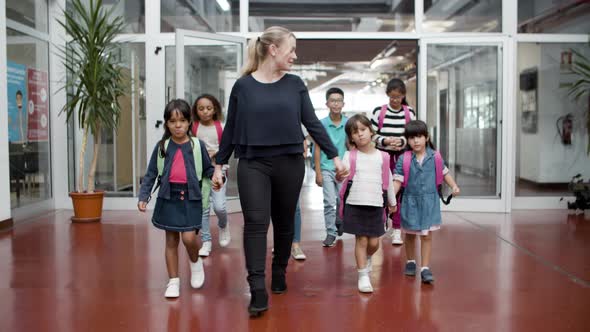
point(363, 220)
point(179, 213)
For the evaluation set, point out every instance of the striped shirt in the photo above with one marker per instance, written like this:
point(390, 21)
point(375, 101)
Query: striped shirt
point(393, 125)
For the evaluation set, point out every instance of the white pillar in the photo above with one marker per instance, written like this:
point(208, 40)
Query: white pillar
point(4, 168)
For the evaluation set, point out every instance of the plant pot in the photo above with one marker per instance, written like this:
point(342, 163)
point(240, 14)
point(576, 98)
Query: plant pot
point(87, 207)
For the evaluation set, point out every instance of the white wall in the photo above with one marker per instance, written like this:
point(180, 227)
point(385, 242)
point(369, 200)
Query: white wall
point(543, 158)
point(4, 167)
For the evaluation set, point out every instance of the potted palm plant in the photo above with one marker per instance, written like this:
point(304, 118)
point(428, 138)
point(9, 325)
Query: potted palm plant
point(94, 84)
point(581, 86)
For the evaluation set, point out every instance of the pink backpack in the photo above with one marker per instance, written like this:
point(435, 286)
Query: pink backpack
point(439, 167)
point(407, 115)
point(343, 194)
point(218, 128)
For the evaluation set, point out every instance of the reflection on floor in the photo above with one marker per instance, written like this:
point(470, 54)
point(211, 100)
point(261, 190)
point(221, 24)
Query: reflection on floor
point(529, 188)
point(525, 271)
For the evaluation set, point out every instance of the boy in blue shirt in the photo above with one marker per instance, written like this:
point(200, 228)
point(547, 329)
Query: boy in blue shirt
point(324, 168)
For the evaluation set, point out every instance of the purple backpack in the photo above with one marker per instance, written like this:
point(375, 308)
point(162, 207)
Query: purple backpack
point(343, 194)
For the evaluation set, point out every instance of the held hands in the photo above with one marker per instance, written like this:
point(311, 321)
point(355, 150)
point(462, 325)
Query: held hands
point(217, 178)
point(395, 142)
point(141, 206)
point(341, 171)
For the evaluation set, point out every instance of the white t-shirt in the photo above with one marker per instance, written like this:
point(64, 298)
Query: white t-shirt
point(367, 181)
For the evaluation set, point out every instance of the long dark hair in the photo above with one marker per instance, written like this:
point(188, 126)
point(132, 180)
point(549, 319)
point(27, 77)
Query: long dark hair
point(217, 115)
point(352, 126)
point(417, 128)
point(176, 105)
point(398, 85)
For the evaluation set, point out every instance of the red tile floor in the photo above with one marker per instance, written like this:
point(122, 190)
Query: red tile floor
point(525, 271)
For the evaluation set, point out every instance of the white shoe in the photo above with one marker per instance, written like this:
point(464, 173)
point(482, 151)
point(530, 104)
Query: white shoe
point(224, 236)
point(364, 283)
point(396, 237)
point(297, 253)
point(197, 273)
point(173, 288)
point(205, 249)
point(369, 264)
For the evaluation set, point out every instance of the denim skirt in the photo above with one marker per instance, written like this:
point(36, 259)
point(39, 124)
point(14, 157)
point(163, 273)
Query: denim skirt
point(363, 220)
point(179, 213)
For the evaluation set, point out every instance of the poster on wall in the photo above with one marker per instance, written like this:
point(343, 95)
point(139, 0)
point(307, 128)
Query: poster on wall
point(38, 105)
point(17, 102)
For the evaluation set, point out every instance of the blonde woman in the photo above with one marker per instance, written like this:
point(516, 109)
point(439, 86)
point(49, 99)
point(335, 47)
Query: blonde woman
point(266, 109)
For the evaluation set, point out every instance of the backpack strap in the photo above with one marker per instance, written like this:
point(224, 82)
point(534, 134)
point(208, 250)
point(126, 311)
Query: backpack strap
point(385, 171)
point(407, 162)
point(438, 164)
point(219, 130)
point(345, 189)
point(195, 128)
point(382, 116)
point(407, 114)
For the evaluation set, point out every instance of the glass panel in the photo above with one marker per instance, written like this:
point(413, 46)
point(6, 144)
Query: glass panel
point(551, 127)
point(466, 132)
point(361, 68)
point(211, 67)
point(132, 11)
point(32, 13)
point(200, 15)
point(28, 118)
point(556, 16)
point(462, 16)
point(115, 172)
point(325, 15)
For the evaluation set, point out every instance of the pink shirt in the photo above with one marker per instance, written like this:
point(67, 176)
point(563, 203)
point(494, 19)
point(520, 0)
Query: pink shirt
point(178, 171)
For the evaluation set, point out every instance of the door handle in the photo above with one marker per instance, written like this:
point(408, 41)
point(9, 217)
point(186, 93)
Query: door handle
point(159, 123)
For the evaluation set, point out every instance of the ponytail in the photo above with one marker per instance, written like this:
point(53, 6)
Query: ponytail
point(258, 48)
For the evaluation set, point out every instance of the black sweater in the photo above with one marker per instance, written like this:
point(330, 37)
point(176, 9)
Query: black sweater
point(264, 120)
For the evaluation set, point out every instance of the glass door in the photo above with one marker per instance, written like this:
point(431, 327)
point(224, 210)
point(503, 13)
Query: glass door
point(461, 99)
point(208, 63)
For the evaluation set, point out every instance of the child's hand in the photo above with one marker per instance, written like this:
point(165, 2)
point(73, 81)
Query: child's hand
point(319, 180)
point(141, 206)
point(456, 191)
point(392, 209)
point(216, 186)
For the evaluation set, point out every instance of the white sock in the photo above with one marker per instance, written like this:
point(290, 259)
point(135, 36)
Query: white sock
point(411, 261)
point(177, 280)
point(424, 268)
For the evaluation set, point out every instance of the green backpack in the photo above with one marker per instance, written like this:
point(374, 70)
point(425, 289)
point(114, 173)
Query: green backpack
point(204, 184)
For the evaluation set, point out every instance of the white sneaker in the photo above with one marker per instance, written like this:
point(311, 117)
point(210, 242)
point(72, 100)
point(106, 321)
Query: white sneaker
point(173, 288)
point(396, 237)
point(297, 253)
point(205, 249)
point(369, 264)
point(224, 236)
point(197, 273)
point(364, 283)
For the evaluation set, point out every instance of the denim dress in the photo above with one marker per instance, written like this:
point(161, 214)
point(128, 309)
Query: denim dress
point(420, 208)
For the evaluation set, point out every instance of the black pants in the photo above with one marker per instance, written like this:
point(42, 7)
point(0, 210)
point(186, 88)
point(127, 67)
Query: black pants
point(269, 188)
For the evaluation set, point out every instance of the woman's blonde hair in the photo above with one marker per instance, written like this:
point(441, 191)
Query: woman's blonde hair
point(258, 48)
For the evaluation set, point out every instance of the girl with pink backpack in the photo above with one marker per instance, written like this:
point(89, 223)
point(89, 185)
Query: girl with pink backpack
point(365, 195)
point(420, 172)
point(388, 122)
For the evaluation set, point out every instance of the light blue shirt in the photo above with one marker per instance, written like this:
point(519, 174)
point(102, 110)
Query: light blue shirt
point(338, 137)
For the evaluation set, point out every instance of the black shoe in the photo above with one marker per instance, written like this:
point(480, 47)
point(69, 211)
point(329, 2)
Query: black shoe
point(410, 269)
point(339, 228)
point(427, 276)
point(278, 284)
point(258, 303)
point(330, 241)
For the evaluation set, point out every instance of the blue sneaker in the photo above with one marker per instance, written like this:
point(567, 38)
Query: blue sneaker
point(410, 269)
point(426, 276)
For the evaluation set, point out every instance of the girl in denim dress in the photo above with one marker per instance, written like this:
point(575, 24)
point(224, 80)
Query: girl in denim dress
point(420, 208)
point(178, 208)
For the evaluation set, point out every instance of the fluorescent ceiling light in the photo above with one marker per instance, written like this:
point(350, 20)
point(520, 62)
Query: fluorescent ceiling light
point(223, 4)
